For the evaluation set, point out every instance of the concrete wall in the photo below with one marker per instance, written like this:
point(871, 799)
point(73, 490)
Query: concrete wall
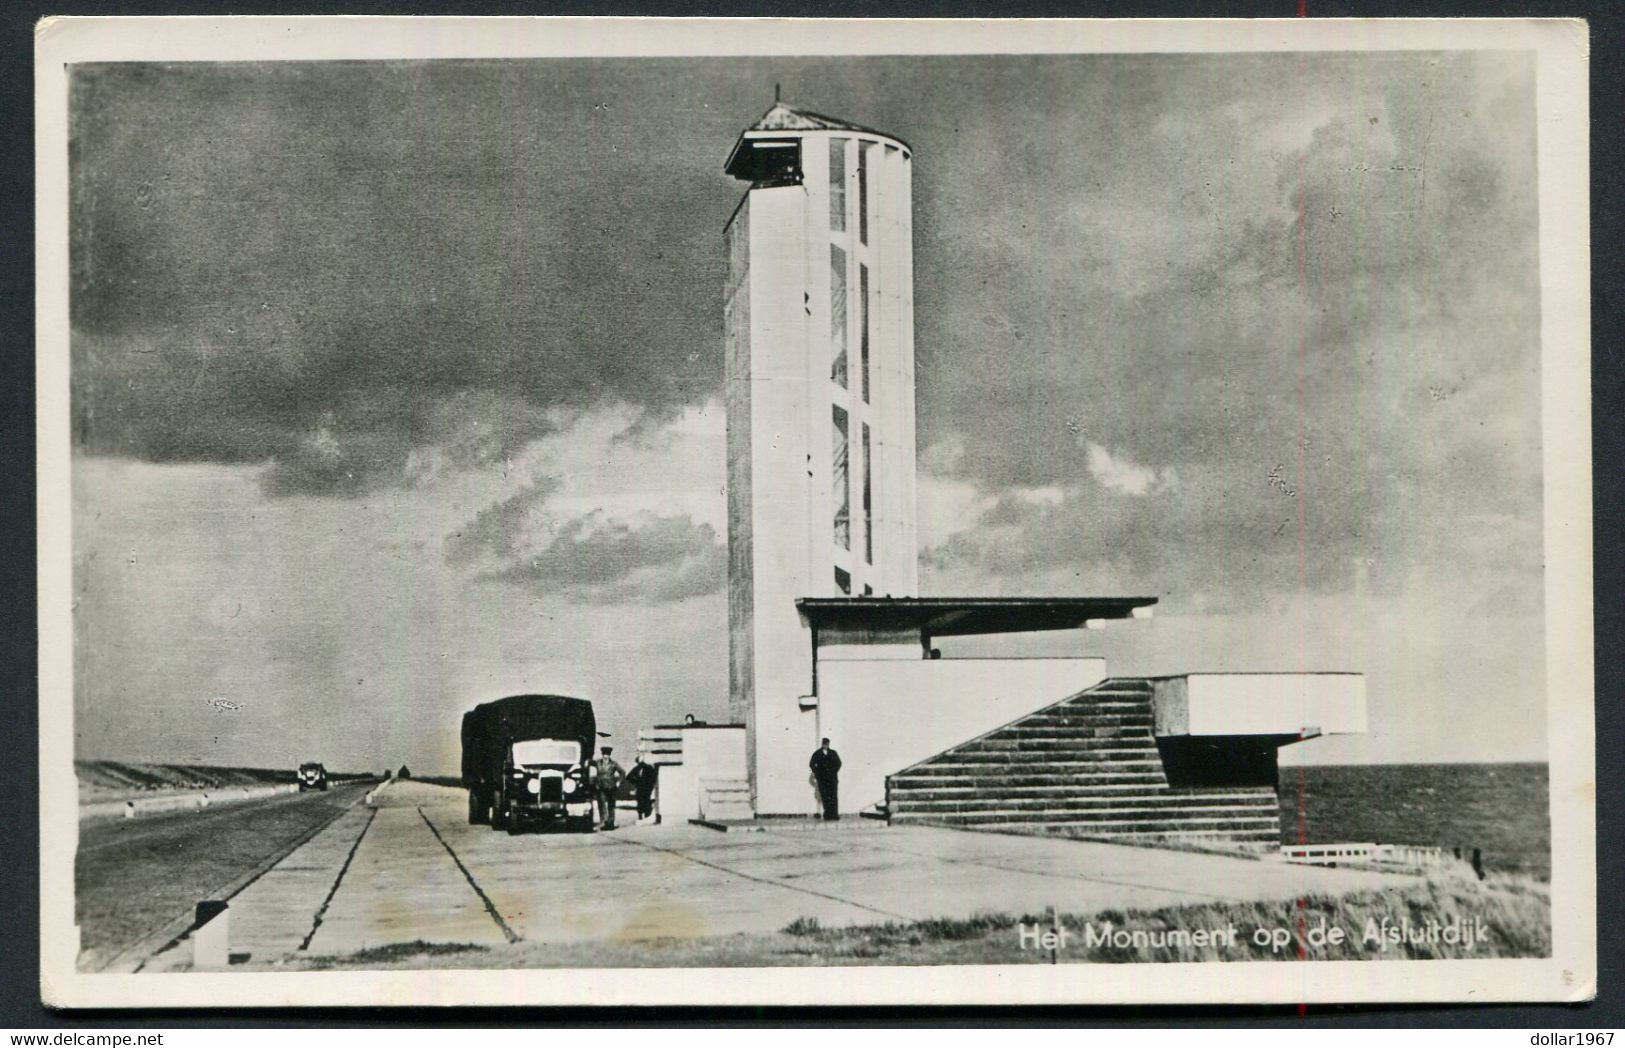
point(708, 753)
point(1260, 703)
point(896, 645)
point(789, 430)
point(736, 401)
point(882, 716)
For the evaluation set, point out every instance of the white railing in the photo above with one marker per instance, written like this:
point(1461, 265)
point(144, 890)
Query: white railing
point(1406, 855)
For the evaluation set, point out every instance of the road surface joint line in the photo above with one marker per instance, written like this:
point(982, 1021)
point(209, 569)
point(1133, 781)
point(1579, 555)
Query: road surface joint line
point(764, 880)
point(334, 890)
point(1047, 873)
point(490, 907)
point(174, 931)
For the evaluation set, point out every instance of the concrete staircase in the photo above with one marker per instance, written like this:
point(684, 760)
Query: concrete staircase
point(1087, 766)
point(725, 800)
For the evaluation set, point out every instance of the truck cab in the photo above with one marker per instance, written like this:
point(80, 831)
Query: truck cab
point(544, 781)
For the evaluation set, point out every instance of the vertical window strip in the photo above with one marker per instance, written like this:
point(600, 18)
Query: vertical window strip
point(837, 315)
point(839, 482)
point(868, 512)
point(837, 184)
point(863, 191)
point(863, 328)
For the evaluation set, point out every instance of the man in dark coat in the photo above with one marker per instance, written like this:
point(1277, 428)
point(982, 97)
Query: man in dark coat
point(826, 769)
point(607, 776)
point(642, 777)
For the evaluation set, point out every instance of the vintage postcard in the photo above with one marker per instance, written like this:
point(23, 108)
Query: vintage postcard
point(789, 512)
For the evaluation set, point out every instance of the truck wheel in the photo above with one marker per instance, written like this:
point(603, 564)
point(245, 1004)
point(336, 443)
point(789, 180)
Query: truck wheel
point(582, 825)
point(516, 824)
point(476, 810)
point(496, 816)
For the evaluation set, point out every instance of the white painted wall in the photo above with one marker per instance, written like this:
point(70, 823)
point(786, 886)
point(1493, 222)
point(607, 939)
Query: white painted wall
point(708, 753)
point(1261, 703)
point(882, 716)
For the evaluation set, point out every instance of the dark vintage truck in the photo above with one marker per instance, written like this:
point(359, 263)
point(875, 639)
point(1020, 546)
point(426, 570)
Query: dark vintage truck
point(312, 776)
point(526, 762)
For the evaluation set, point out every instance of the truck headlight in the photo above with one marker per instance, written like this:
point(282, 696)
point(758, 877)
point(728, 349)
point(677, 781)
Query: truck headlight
point(533, 785)
point(569, 786)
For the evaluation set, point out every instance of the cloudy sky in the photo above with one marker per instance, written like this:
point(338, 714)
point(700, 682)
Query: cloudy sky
point(396, 386)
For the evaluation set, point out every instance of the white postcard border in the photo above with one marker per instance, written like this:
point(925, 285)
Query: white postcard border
point(1561, 49)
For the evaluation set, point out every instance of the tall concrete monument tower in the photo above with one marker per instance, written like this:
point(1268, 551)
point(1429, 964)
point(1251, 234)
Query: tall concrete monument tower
point(828, 634)
point(820, 400)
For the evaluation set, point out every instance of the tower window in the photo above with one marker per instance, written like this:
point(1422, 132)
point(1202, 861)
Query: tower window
point(868, 514)
point(863, 191)
point(837, 315)
point(843, 581)
point(837, 184)
point(840, 484)
point(863, 328)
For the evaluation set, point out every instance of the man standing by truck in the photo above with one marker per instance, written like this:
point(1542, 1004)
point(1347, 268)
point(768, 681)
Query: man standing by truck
point(642, 777)
point(606, 776)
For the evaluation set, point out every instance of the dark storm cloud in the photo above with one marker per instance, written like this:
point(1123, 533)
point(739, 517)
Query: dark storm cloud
point(1174, 288)
point(328, 266)
point(659, 559)
point(1306, 290)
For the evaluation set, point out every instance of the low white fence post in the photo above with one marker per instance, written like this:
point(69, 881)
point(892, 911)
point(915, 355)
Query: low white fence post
point(211, 936)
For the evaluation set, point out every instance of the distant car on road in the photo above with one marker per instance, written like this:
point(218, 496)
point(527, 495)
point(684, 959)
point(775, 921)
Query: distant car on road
point(312, 776)
point(525, 762)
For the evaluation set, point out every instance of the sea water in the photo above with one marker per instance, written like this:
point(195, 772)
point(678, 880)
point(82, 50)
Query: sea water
point(1500, 809)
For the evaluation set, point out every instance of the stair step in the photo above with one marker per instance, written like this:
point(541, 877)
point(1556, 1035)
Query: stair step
point(1068, 799)
point(1033, 773)
point(1108, 750)
point(1130, 733)
point(1073, 795)
point(1029, 759)
point(1070, 792)
point(1042, 731)
point(1088, 764)
point(1009, 770)
point(1014, 757)
point(1039, 809)
point(1133, 813)
point(1071, 786)
point(1135, 823)
point(1088, 745)
point(727, 811)
point(1077, 718)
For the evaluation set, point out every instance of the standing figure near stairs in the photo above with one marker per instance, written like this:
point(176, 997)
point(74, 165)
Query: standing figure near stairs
point(826, 769)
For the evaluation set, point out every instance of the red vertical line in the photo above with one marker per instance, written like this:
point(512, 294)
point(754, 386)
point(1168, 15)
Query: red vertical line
point(1303, 485)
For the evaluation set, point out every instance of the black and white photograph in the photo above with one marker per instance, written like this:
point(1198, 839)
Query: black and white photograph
point(607, 515)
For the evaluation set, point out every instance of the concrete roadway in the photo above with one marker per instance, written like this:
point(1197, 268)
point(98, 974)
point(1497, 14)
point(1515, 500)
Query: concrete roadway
point(134, 878)
point(411, 869)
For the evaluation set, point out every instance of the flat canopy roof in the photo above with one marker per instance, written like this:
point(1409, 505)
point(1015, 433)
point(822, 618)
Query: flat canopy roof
point(967, 616)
